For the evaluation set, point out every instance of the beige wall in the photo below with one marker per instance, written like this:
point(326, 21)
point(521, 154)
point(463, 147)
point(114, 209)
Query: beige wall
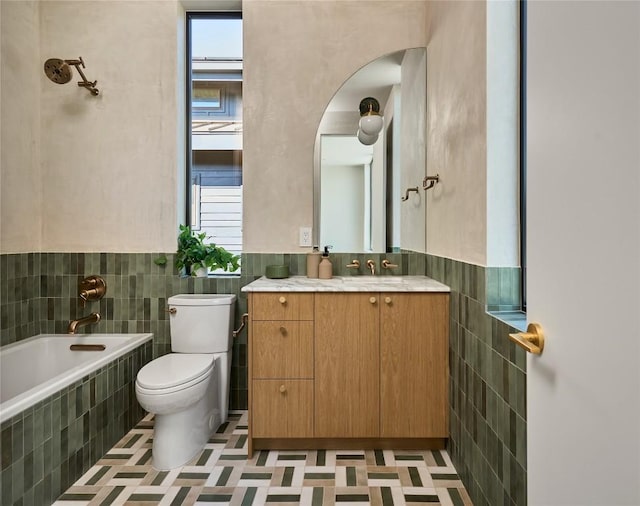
point(456, 130)
point(297, 54)
point(20, 178)
point(83, 173)
point(109, 165)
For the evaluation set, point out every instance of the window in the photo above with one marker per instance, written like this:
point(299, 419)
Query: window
point(523, 154)
point(214, 141)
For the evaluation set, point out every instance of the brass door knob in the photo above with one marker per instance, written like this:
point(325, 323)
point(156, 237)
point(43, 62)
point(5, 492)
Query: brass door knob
point(532, 340)
point(282, 300)
point(372, 300)
point(283, 389)
point(387, 300)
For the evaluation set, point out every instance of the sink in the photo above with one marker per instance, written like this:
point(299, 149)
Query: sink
point(378, 280)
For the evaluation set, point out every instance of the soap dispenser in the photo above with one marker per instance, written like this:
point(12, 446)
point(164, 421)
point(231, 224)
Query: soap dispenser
point(313, 262)
point(325, 269)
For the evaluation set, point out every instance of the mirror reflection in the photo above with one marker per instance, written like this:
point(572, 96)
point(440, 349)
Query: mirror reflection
point(360, 176)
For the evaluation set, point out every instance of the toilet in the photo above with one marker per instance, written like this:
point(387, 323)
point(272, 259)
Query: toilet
point(188, 389)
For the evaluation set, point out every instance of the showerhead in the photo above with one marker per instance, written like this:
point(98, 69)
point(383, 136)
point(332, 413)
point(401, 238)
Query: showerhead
point(57, 70)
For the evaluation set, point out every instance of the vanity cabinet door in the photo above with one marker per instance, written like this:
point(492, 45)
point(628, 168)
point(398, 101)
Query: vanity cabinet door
point(347, 365)
point(282, 409)
point(414, 375)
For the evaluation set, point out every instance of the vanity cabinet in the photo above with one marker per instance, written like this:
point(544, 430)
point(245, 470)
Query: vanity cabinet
point(348, 370)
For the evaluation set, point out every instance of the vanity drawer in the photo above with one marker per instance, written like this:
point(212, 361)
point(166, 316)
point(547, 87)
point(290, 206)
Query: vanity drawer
point(282, 349)
point(282, 409)
point(282, 306)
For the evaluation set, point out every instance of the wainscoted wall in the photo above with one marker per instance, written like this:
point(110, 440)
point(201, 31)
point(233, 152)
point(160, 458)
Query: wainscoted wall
point(488, 373)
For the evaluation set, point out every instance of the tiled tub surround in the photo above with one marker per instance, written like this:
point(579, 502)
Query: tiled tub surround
point(46, 447)
point(488, 372)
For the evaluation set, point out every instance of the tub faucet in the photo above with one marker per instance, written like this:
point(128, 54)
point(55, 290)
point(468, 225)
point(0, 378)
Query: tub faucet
point(87, 320)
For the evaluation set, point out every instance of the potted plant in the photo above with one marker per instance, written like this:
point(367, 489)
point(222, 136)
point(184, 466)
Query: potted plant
point(196, 256)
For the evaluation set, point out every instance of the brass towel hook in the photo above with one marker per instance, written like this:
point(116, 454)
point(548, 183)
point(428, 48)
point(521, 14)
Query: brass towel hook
point(406, 193)
point(430, 181)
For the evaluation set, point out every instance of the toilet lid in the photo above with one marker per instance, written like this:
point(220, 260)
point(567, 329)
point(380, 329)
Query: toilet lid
point(174, 369)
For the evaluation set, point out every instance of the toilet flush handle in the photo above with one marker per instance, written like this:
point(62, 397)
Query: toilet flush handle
point(171, 310)
point(243, 322)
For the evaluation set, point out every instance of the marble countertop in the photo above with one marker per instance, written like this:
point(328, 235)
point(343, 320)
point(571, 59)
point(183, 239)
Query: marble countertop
point(347, 284)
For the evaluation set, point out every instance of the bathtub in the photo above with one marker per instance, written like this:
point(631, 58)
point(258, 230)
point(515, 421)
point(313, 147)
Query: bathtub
point(35, 368)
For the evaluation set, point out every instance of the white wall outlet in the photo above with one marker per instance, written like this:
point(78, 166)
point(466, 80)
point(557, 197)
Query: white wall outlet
point(305, 237)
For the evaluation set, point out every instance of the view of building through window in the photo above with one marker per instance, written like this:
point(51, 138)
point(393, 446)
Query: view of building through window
point(215, 103)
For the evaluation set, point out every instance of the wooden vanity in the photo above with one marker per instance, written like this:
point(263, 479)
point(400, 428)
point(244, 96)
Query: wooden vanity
point(338, 364)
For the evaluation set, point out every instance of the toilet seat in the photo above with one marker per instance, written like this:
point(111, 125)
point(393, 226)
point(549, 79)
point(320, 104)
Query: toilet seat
point(174, 372)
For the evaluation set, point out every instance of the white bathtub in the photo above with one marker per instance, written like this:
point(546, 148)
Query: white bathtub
point(35, 368)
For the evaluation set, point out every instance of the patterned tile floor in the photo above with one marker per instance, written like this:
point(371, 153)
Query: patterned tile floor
point(221, 474)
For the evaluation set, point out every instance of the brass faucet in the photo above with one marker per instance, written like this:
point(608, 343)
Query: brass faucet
point(87, 320)
point(372, 266)
point(355, 264)
point(388, 265)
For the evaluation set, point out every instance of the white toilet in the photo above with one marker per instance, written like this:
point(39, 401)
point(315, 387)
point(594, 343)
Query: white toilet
point(188, 389)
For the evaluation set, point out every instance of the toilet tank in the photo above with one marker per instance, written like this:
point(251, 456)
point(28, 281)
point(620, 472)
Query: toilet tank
point(201, 323)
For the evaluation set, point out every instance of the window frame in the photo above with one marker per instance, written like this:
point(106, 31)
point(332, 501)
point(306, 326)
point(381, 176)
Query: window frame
point(523, 154)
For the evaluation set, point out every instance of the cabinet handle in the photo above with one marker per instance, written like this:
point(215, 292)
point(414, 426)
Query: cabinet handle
point(283, 389)
point(372, 300)
point(282, 300)
point(387, 300)
point(283, 331)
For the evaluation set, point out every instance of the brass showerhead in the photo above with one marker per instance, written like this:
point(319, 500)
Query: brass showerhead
point(57, 70)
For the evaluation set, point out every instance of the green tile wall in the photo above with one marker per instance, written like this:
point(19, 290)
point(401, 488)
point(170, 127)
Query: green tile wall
point(487, 389)
point(47, 447)
point(20, 302)
point(488, 373)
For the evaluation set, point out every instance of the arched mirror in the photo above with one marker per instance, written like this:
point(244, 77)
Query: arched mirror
point(359, 187)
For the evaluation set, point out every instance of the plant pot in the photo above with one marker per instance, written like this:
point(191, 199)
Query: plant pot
point(200, 272)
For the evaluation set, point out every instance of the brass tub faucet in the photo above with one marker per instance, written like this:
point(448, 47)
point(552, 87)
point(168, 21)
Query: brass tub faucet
point(74, 325)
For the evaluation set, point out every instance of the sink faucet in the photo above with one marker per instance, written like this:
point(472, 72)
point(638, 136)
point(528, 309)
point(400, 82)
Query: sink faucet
point(372, 266)
point(87, 320)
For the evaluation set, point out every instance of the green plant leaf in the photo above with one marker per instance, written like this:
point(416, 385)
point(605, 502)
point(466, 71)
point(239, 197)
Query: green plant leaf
point(194, 252)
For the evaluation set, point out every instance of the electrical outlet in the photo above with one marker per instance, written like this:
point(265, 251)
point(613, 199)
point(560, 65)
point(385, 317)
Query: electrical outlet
point(305, 237)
